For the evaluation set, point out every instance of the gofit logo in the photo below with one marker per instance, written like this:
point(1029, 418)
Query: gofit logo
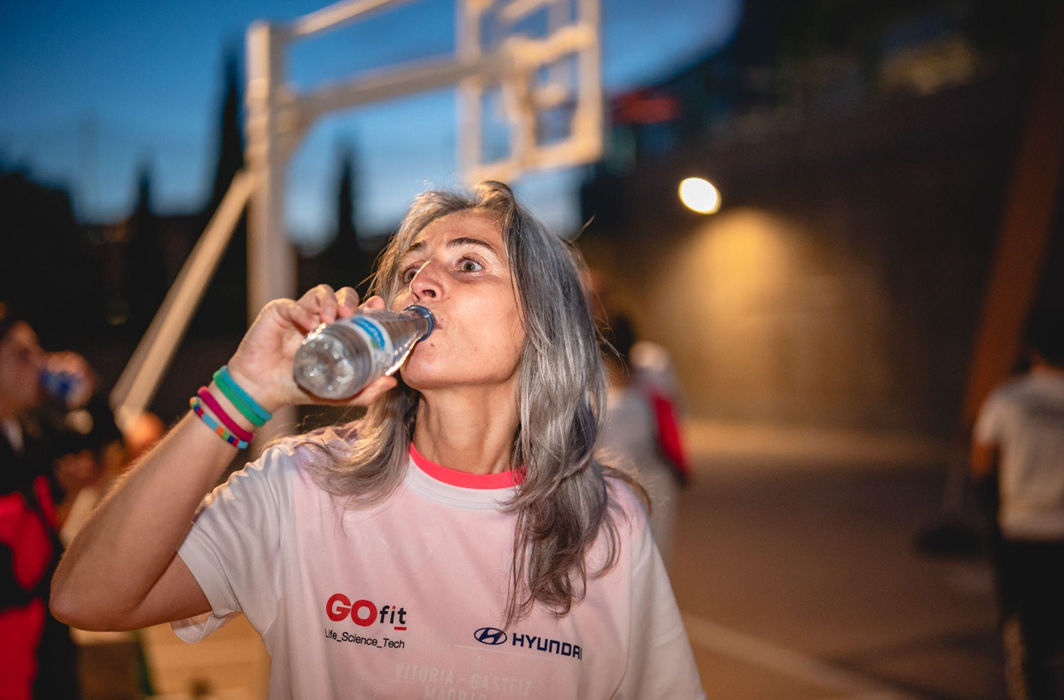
point(363, 612)
point(490, 635)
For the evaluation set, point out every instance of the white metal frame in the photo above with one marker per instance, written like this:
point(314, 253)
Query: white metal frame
point(524, 100)
point(135, 388)
point(278, 118)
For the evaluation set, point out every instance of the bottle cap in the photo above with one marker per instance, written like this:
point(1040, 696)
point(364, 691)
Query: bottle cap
point(427, 315)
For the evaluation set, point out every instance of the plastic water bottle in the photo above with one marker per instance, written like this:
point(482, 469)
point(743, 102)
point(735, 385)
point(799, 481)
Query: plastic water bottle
point(339, 359)
point(68, 388)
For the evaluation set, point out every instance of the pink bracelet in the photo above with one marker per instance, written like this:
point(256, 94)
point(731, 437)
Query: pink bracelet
point(216, 409)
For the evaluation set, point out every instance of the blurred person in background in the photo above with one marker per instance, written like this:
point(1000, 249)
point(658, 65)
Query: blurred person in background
point(466, 510)
point(647, 358)
point(137, 438)
point(642, 432)
point(1018, 452)
point(141, 435)
point(50, 448)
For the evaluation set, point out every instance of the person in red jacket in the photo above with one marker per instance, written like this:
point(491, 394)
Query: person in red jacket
point(43, 463)
point(642, 429)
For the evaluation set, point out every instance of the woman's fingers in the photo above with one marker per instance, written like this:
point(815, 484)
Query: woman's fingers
point(298, 314)
point(375, 302)
point(347, 299)
point(329, 305)
point(321, 300)
point(373, 391)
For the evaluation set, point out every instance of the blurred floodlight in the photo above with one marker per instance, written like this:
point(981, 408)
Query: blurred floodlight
point(699, 195)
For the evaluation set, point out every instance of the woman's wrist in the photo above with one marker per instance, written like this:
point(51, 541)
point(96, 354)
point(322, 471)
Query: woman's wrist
point(232, 412)
point(247, 383)
point(229, 410)
point(206, 418)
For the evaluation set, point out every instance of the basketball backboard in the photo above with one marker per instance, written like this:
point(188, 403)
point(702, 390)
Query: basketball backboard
point(544, 108)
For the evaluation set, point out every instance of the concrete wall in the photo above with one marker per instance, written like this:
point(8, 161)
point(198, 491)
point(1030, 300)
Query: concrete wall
point(841, 283)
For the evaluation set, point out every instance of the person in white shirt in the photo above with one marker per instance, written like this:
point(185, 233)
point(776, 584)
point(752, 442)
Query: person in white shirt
point(1019, 441)
point(459, 541)
point(641, 432)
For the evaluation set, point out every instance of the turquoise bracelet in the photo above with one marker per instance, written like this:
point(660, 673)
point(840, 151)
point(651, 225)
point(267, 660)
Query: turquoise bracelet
point(240, 398)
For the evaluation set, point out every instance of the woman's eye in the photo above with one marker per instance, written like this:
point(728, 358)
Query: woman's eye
point(465, 265)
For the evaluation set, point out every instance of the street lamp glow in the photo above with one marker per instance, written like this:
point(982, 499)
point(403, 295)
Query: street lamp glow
point(699, 195)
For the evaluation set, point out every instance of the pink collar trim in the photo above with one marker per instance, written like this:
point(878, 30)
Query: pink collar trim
point(501, 480)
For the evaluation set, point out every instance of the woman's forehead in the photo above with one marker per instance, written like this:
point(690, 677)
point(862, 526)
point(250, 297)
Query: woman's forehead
point(468, 222)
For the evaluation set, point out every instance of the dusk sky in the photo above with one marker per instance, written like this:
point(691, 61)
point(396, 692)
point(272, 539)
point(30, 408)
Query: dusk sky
point(89, 90)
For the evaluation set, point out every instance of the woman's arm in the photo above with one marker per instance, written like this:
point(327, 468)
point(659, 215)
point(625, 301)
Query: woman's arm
point(121, 571)
point(129, 544)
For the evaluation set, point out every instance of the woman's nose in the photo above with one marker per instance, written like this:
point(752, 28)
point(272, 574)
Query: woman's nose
point(427, 283)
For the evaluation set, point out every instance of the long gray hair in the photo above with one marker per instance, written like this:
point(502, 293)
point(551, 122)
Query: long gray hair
point(563, 505)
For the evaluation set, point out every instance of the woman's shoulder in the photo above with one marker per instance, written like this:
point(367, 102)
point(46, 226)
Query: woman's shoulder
point(629, 505)
point(335, 439)
point(622, 538)
point(291, 455)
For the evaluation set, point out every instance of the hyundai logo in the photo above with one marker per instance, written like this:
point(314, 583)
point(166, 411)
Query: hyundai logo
point(490, 635)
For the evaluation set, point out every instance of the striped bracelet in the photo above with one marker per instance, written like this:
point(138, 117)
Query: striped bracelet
point(220, 430)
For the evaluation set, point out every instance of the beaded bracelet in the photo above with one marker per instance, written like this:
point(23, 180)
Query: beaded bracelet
point(216, 408)
point(207, 418)
point(243, 402)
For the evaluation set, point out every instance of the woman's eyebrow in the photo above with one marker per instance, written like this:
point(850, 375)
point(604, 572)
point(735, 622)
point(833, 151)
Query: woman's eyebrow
point(414, 247)
point(469, 240)
point(455, 243)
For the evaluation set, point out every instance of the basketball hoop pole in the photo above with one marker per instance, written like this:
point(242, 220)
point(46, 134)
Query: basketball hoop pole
point(271, 259)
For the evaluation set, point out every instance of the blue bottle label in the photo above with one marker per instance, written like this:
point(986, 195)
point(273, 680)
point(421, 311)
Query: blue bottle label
point(377, 339)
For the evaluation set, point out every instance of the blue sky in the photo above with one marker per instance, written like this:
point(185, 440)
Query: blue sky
point(90, 90)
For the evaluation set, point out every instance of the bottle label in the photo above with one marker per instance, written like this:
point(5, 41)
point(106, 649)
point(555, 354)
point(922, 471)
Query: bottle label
point(377, 339)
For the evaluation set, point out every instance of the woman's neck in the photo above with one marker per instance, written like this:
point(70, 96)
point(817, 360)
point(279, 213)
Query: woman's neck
point(468, 430)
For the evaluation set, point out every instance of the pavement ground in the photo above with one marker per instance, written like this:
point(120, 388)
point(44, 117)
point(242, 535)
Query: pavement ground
point(796, 571)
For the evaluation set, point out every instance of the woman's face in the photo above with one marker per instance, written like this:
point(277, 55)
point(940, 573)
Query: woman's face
point(458, 269)
point(20, 362)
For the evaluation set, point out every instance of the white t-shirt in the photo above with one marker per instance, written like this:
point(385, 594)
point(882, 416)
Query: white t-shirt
point(1025, 418)
point(405, 599)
